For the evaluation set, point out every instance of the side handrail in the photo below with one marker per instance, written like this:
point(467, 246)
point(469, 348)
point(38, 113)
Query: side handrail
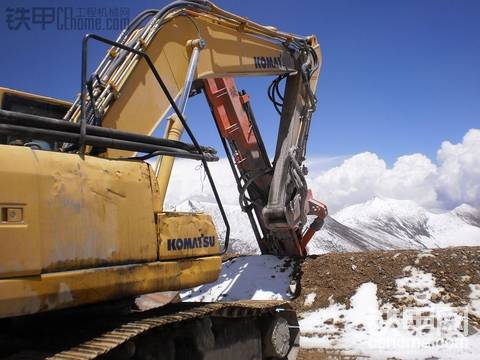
point(83, 120)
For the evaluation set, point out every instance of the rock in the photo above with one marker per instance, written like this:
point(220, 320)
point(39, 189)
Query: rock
point(328, 321)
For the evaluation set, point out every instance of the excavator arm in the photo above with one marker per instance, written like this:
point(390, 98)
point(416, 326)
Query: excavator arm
point(196, 43)
point(195, 46)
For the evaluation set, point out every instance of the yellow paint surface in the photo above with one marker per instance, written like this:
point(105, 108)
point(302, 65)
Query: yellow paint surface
point(91, 231)
point(34, 294)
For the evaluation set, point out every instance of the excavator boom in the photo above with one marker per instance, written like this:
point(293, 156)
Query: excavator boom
point(195, 46)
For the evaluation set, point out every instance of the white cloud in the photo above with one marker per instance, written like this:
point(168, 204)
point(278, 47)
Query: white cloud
point(352, 182)
point(341, 181)
point(365, 175)
point(454, 180)
point(459, 172)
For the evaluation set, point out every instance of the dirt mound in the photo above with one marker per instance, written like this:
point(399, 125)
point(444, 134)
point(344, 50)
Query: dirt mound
point(336, 277)
point(353, 305)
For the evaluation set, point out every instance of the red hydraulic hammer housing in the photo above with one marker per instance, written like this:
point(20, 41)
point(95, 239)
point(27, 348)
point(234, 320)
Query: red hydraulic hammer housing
point(253, 170)
point(319, 210)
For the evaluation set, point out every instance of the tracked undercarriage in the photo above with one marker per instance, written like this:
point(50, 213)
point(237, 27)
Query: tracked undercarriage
point(233, 330)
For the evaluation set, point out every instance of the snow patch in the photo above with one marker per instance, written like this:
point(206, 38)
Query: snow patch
point(339, 327)
point(475, 299)
point(422, 330)
point(263, 277)
point(309, 299)
point(418, 289)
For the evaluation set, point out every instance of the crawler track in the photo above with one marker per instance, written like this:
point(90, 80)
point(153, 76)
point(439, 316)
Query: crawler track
point(207, 331)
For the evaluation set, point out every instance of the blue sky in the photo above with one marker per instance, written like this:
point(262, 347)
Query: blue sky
point(399, 77)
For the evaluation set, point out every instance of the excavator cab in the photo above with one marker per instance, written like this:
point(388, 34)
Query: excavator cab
point(22, 102)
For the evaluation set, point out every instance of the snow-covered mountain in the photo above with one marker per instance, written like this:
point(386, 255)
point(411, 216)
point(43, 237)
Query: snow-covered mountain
point(242, 238)
point(381, 224)
point(378, 224)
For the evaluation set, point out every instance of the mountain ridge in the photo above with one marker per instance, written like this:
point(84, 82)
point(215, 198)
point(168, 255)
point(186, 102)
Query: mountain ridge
point(377, 224)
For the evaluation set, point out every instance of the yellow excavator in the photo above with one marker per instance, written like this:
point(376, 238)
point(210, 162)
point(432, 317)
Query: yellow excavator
point(83, 229)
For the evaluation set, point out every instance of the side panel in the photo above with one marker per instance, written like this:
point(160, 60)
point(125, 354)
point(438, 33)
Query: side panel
point(183, 235)
point(79, 213)
point(20, 248)
point(95, 212)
